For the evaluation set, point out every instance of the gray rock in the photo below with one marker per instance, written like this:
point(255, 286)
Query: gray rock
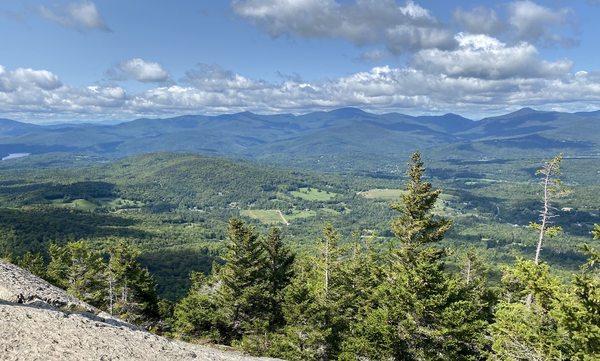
point(41, 322)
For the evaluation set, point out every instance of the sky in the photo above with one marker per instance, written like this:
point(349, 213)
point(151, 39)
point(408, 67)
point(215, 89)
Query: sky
point(72, 60)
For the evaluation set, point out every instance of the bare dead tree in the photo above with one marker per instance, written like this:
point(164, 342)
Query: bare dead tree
point(552, 189)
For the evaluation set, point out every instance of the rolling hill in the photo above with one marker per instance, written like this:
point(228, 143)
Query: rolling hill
point(341, 139)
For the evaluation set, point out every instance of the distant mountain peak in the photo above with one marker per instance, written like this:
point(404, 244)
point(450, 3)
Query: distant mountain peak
point(348, 111)
point(524, 111)
point(454, 116)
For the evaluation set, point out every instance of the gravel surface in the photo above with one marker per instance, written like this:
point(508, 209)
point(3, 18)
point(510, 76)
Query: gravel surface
point(41, 322)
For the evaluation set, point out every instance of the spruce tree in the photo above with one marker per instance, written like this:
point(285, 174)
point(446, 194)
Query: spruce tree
point(34, 263)
point(131, 293)
point(78, 269)
point(579, 312)
point(419, 310)
point(279, 274)
point(417, 225)
point(244, 282)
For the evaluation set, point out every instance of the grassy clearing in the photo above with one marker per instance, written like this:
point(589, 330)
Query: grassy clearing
point(266, 216)
point(314, 194)
point(330, 212)
point(120, 203)
point(90, 205)
point(81, 204)
point(299, 215)
point(274, 216)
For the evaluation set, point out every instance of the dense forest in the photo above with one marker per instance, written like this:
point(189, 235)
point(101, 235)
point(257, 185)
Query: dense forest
point(175, 207)
point(403, 289)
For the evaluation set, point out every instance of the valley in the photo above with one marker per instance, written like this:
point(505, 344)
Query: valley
point(175, 207)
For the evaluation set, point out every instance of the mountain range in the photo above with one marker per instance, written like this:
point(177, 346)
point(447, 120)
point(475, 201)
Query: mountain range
point(346, 138)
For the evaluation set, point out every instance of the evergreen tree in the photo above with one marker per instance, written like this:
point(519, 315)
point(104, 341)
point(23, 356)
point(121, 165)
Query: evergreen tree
point(131, 291)
point(34, 263)
point(523, 332)
point(580, 311)
point(306, 330)
point(279, 274)
point(79, 270)
point(244, 282)
point(197, 314)
point(417, 225)
point(419, 310)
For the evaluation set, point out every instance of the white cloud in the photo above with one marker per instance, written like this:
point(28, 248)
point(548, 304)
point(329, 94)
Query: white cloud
point(537, 23)
point(423, 87)
point(25, 78)
point(140, 70)
point(400, 28)
point(214, 78)
point(481, 56)
point(479, 20)
point(81, 15)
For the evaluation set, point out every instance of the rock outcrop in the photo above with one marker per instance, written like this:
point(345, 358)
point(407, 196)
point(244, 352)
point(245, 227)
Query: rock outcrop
point(41, 322)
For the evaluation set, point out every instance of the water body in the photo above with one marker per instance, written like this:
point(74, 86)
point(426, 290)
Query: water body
point(15, 156)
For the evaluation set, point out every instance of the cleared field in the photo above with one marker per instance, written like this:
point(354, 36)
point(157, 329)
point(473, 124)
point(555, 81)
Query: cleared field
point(390, 195)
point(384, 194)
point(299, 215)
point(313, 194)
point(274, 216)
point(81, 204)
point(120, 203)
point(266, 216)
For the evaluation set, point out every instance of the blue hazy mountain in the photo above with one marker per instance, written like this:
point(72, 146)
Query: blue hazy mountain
point(341, 138)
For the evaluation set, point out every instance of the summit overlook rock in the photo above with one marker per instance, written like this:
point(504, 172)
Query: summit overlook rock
point(41, 322)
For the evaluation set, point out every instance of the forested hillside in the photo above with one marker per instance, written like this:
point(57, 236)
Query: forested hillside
point(413, 291)
point(343, 139)
point(175, 207)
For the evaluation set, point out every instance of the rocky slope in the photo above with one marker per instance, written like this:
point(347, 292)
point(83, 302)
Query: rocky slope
point(41, 322)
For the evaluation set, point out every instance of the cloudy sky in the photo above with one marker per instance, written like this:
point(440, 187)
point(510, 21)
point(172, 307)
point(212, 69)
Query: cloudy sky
point(65, 60)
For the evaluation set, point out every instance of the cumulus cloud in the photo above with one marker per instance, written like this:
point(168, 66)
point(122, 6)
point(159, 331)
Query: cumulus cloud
point(214, 78)
point(400, 28)
point(79, 15)
point(479, 20)
point(25, 78)
point(424, 86)
point(521, 20)
point(533, 22)
point(484, 57)
point(140, 70)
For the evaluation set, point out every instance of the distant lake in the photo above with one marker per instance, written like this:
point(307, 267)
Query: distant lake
point(15, 156)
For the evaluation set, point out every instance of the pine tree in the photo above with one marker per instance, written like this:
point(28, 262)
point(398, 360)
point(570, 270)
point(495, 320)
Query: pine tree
point(197, 314)
point(552, 189)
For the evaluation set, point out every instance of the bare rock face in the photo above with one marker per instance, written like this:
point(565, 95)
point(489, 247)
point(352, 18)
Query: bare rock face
point(19, 286)
point(41, 322)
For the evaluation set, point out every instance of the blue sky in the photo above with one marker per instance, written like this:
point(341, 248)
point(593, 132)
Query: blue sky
point(112, 59)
